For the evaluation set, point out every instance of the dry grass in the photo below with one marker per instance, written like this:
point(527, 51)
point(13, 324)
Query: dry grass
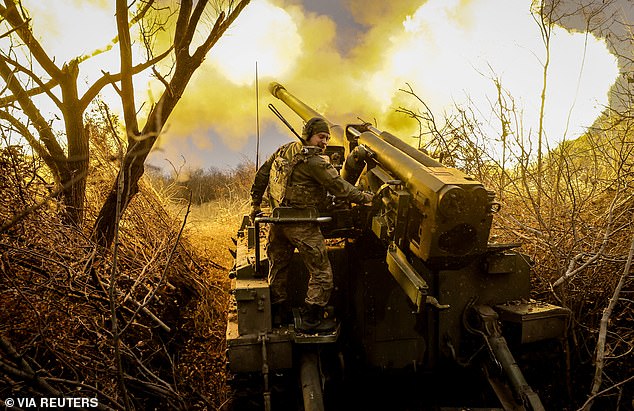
point(169, 296)
point(211, 226)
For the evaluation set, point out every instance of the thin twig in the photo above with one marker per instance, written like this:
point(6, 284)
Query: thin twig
point(150, 296)
point(571, 271)
point(592, 398)
point(605, 319)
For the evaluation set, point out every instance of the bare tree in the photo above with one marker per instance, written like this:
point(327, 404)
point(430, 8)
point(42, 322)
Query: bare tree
point(28, 70)
point(21, 84)
point(141, 142)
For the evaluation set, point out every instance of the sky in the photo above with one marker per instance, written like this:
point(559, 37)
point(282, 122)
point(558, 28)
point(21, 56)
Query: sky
point(348, 59)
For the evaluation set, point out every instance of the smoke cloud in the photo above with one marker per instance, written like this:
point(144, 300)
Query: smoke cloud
point(447, 50)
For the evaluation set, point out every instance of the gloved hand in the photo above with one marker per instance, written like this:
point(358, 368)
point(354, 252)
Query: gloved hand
point(367, 198)
point(255, 211)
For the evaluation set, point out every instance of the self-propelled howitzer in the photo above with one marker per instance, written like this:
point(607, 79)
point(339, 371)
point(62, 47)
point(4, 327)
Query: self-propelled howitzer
point(445, 215)
point(418, 286)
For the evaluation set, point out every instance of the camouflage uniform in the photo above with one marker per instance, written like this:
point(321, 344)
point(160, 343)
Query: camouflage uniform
point(297, 176)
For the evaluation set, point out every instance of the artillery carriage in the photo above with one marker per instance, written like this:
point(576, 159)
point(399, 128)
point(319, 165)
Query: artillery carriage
point(420, 292)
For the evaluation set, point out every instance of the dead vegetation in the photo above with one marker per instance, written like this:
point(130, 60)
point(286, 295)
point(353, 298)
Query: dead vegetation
point(139, 326)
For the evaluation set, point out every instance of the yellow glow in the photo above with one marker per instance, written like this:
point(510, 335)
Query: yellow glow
point(448, 50)
point(263, 33)
point(68, 29)
point(451, 50)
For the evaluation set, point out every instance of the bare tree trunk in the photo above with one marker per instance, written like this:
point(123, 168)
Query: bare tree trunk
point(139, 145)
point(545, 25)
point(74, 193)
point(70, 171)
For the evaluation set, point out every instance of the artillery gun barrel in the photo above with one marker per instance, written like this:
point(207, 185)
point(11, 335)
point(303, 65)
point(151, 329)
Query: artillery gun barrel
point(306, 112)
point(406, 168)
point(430, 183)
point(456, 207)
point(411, 166)
point(389, 149)
point(406, 148)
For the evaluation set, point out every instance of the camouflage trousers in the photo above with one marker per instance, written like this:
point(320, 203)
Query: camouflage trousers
point(307, 238)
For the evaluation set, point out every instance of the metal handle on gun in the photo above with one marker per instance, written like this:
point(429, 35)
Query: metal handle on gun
point(283, 120)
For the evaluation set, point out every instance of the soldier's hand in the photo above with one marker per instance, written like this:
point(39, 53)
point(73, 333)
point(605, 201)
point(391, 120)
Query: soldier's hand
point(367, 198)
point(255, 211)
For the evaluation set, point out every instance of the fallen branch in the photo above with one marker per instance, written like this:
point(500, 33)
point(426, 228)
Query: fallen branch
point(140, 306)
point(151, 294)
point(29, 376)
point(165, 386)
point(28, 373)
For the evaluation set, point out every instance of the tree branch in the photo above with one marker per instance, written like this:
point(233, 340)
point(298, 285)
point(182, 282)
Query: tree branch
point(33, 142)
point(15, 20)
point(589, 400)
point(127, 86)
point(108, 78)
point(182, 26)
point(192, 23)
point(150, 296)
point(219, 29)
point(18, 217)
point(8, 348)
point(603, 330)
point(43, 87)
point(571, 271)
point(115, 40)
point(33, 113)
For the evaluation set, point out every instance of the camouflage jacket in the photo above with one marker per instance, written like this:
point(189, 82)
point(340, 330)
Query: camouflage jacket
point(298, 176)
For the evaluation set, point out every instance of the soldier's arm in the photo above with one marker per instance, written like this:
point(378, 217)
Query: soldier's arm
point(261, 181)
point(328, 176)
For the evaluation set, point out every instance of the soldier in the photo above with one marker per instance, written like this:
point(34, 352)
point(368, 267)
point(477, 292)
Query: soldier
point(297, 176)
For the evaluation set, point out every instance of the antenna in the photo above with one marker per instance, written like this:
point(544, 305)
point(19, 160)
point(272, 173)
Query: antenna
point(257, 120)
point(281, 117)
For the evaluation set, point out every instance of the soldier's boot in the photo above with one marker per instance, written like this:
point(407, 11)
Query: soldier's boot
point(328, 321)
point(314, 320)
point(311, 315)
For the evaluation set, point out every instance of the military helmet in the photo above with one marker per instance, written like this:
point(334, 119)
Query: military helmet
point(314, 126)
